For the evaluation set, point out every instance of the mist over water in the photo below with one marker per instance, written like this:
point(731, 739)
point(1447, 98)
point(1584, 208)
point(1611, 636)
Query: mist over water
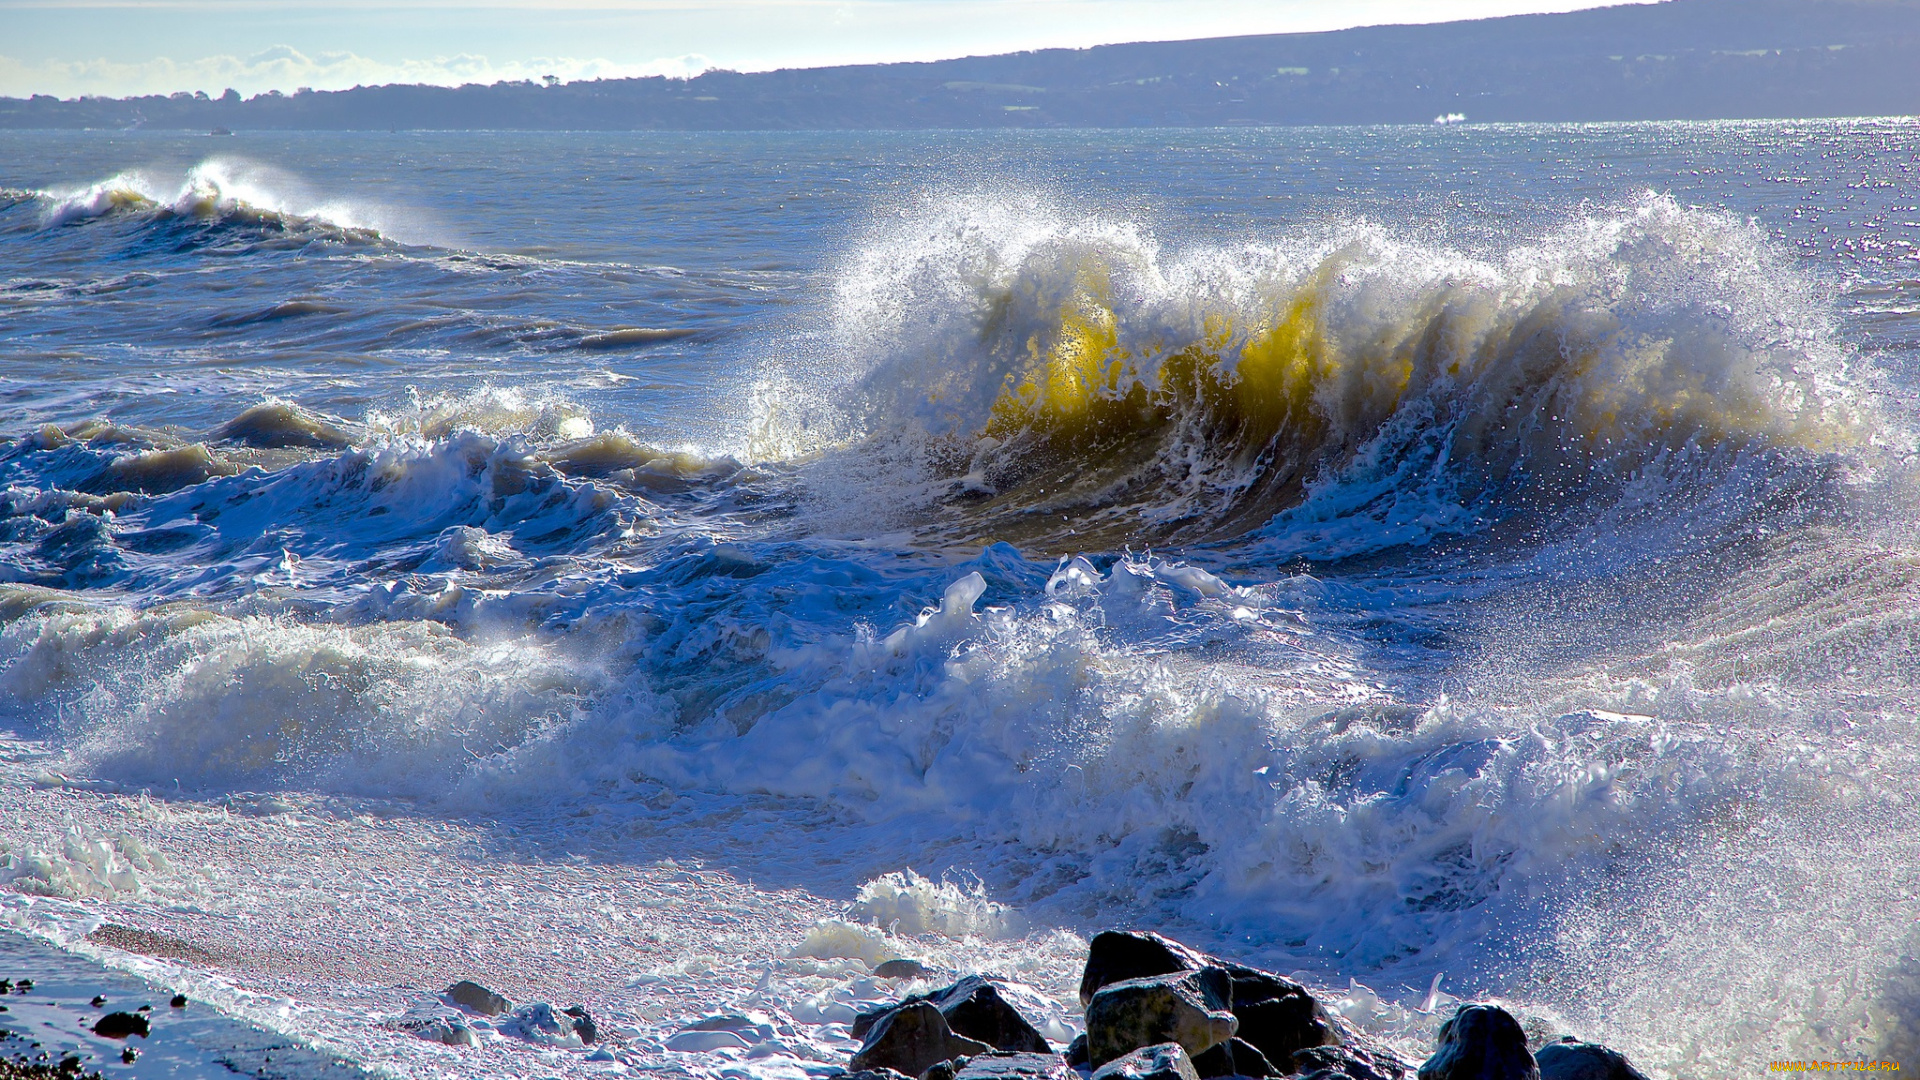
point(1483, 554)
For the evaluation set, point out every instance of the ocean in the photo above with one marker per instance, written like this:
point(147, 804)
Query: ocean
point(674, 573)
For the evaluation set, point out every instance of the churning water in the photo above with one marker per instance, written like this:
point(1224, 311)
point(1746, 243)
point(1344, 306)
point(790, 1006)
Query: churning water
point(1444, 563)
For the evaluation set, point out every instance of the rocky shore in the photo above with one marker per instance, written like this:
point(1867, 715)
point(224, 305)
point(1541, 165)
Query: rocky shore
point(1154, 1010)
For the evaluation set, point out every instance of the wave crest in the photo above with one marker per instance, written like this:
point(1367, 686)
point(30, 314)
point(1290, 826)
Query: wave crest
point(218, 190)
point(1049, 376)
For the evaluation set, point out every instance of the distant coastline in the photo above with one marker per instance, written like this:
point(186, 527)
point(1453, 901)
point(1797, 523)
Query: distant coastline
point(1679, 60)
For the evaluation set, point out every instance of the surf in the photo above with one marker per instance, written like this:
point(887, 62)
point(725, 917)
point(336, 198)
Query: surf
point(1065, 383)
point(218, 191)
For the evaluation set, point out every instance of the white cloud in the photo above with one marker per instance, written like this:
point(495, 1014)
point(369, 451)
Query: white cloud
point(287, 69)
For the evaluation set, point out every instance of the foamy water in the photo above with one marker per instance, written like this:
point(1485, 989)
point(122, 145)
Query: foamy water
point(678, 573)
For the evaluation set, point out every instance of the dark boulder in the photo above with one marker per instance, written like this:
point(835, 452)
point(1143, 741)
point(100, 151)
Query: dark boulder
point(1235, 1057)
point(1190, 1008)
point(1118, 955)
point(445, 1030)
point(119, 1025)
point(1276, 1014)
point(872, 1074)
point(1165, 1061)
point(1077, 1051)
point(473, 997)
point(912, 1039)
point(974, 1008)
point(999, 1065)
point(944, 1070)
point(1214, 1061)
point(583, 1024)
point(1481, 1042)
point(902, 969)
point(1350, 1062)
point(1571, 1059)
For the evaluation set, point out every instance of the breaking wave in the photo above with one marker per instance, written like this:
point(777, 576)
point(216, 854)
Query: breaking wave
point(1034, 376)
point(487, 598)
point(217, 191)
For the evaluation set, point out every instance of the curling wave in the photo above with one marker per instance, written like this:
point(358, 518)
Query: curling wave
point(1065, 382)
point(216, 191)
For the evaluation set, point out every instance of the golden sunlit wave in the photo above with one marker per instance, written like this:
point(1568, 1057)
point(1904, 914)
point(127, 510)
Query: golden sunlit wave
point(1116, 421)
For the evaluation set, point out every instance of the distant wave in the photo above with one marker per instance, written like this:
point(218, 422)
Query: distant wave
point(1043, 377)
point(99, 458)
point(218, 190)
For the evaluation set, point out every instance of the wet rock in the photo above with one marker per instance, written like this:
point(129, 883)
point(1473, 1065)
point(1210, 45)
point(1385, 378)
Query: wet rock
point(179, 1001)
point(1215, 1061)
point(1235, 1057)
point(540, 1023)
point(1352, 1062)
point(873, 1074)
point(583, 1024)
point(705, 1042)
point(1077, 1051)
point(449, 1031)
point(1118, 955)
point(1249, 1061)
point(436, 1023)
point(1164, 1061)
point(974, 1008)
point(1571, 1059)
point(1190, 1008)
point(944, 1070)
point(912, 1039)
point(1277, 1015)
point(473, 997)
point(119, 1025)
point(98, 1000)
point(902, 969)
point(1481, 1042)
point(1001, 1065)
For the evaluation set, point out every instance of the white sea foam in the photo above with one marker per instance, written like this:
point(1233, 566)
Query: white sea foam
point(907, 903)
point(81, 865)
point(493, 410)
point(1586, 768)
point(219, 187)
point(1341, 389)
point(187, 697)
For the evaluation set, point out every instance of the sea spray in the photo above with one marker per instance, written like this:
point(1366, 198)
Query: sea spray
point(1132, 552)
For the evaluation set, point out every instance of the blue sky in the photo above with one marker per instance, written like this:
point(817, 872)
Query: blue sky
point(118, 47)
